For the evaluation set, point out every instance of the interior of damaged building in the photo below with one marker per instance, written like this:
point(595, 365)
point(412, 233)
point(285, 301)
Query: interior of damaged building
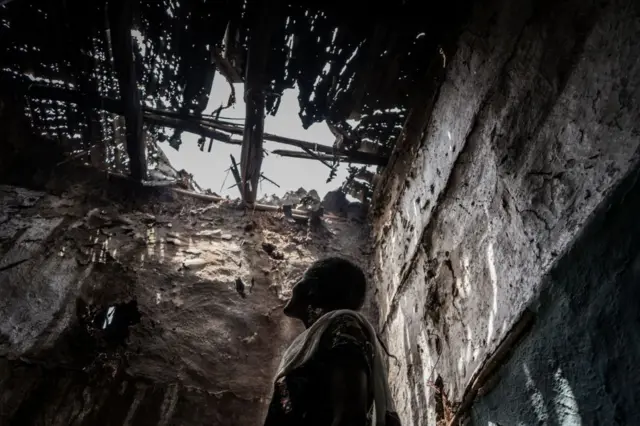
point(482, 168)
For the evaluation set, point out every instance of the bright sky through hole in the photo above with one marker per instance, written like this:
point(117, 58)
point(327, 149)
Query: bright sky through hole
point(209, 168)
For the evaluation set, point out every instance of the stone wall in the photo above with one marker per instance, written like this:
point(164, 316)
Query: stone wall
point(578, 364)
point(534, 124)
point(163, 310)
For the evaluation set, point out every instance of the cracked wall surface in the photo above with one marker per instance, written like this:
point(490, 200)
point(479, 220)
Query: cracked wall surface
point(535, 123)
point(578, 364)
point(197, 296)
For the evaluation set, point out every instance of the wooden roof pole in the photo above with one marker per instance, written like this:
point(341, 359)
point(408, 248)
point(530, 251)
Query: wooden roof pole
point(120, 22)
point(262, 17)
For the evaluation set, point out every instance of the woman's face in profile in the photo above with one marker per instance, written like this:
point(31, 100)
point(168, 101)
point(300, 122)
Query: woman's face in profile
point(297, 305)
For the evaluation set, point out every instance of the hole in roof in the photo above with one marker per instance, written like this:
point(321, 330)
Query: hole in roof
point(210, 170)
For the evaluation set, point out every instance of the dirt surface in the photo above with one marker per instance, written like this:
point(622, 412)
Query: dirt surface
point(163, 310)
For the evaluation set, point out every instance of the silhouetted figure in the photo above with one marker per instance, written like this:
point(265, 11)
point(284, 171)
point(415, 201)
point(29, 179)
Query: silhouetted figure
point(333, 374)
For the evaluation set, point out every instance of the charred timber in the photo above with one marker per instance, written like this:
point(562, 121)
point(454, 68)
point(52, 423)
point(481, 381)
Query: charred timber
point(355, 158)
point(203, 126)
point(306, 156)
point(120, 14)
point(235, 172)
point(261, 17)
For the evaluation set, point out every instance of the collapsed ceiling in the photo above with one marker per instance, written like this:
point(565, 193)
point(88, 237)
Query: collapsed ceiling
point(96, 73)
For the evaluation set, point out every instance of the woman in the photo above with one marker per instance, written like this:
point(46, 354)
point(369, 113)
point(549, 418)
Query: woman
point(333, 374)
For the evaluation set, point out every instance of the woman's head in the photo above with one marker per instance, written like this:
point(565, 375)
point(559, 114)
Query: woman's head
point(327, 285)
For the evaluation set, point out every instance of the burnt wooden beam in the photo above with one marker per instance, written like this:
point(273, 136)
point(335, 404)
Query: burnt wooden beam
point(153, 116)
point(252, 142)
point(191, 126)
point(317, 157)
point(203, 126)
point(304, 155)
point(120, 15)
point(268, 180)
point(262, 14)
point(356, 158)
point(239, 130)
point(235, 172)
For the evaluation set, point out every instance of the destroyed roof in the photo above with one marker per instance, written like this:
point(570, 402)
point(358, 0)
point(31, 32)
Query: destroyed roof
point(75, 59)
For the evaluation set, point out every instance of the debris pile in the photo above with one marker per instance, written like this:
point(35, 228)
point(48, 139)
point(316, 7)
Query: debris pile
point(334, 202)
point(299, 199)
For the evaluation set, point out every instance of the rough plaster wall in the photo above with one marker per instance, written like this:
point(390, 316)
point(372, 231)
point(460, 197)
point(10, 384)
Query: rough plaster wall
point(201, 353)
point(579, 363)
point(535, 123)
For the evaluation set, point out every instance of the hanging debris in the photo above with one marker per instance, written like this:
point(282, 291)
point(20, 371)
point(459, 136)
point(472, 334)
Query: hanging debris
point(110, 77)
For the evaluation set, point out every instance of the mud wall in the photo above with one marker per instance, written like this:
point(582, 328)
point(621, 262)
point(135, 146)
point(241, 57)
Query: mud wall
point(534, 125)
point(126, 306)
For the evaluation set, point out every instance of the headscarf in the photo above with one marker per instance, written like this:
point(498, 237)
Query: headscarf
point(306, 345)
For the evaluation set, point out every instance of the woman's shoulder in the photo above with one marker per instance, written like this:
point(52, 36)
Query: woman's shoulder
point(347, 314)
point(349, 322)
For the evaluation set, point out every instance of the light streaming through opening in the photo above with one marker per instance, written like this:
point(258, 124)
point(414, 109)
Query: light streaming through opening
point(210, 169)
